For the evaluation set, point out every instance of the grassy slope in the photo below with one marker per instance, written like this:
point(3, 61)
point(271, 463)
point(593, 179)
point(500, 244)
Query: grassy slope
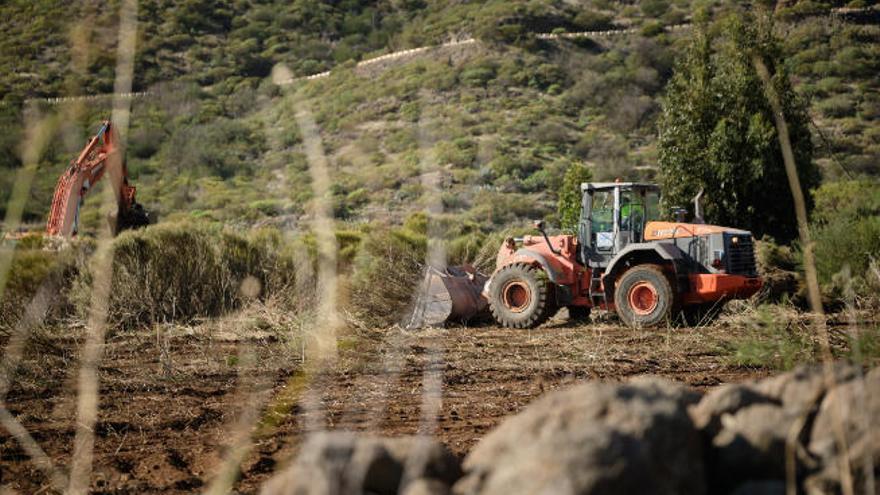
point(502, 120)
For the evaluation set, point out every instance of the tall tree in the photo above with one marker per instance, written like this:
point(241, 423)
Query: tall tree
point(717, 131)
point(569, 205)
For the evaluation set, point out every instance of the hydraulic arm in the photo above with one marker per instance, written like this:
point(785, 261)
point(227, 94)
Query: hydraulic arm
point(100, 157)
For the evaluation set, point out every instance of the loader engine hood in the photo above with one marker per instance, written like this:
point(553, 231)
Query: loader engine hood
point(712, 248)
point(658, 231)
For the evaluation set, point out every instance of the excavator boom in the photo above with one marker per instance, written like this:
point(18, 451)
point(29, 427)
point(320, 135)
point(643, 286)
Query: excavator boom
point(98, 158)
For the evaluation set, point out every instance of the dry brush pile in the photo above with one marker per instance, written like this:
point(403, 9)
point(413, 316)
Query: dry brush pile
point(189, 271)
point(166, 273)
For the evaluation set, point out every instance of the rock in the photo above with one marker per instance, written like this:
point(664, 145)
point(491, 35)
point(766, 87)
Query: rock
point(726, 399)
point(593, 438)
point(849, 413)
point(340, 463)
point(750, 446)
point(747, 426)
point(800, 390)
point(426, 487)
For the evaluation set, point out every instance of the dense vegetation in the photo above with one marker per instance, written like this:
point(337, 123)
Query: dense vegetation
point(717, 132)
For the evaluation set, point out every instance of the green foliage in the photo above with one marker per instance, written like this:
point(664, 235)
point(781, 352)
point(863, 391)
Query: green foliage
point(837, 106)
point(846, 235)
point(654, 8)
point(218, 141)
point(846, 200)
point(771, 343)
point(569, 205)
point(864, 346)
point(717, 131)
point(35, 270)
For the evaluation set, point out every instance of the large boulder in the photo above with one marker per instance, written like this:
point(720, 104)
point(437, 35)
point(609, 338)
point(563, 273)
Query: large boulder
point(846, 435)
point(800, 390)
point(341, 463)
point(593, 438)
point(751, 429)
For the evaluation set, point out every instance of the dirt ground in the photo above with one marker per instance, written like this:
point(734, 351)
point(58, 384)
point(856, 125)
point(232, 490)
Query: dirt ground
point(170, 404)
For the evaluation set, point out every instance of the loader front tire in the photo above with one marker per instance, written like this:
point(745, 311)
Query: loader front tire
point(643, 297)
point(521, 296)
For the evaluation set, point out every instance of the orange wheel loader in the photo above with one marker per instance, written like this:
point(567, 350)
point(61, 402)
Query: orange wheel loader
point(623, 259)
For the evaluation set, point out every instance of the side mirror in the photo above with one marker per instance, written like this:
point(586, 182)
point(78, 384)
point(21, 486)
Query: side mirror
point(539, 224)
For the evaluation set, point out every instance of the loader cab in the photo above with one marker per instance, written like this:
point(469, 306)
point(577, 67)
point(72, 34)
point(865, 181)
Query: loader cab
point(613, 215)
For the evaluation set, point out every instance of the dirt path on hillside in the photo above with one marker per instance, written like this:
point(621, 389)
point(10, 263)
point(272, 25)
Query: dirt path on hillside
point(168, 404)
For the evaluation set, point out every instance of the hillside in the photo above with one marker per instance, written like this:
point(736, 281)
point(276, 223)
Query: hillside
point(503, 117)
point(319, 167)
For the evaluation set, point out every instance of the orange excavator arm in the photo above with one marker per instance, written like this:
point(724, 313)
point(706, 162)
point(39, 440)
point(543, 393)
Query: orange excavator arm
point(100, 157)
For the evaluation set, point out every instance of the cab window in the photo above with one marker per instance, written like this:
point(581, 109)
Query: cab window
point(652, 206)
point(602, 213)
point(632, 211)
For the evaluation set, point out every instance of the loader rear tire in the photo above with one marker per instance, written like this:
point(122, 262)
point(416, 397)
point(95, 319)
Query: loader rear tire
point(521, 296)
point(643, 297)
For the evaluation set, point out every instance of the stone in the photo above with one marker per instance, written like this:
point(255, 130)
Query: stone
point(593, 438)
point(341, 463)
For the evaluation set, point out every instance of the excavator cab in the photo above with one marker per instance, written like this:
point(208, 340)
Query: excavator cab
point(614, 215)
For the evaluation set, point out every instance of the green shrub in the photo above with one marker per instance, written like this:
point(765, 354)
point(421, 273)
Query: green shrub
point(830, 85)
point(652, 29)
point(569, 205)
point(771, 343)
point(851, 242)
point(837, 106)
point(846, 200)
point(35, 269)
point(477, 76)
point(590, 20)
point(654, 8)
point(846, 234)
point(459, 153)
point(484, 259)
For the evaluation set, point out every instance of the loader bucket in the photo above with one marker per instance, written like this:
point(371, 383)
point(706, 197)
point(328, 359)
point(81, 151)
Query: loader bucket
point(447, 295)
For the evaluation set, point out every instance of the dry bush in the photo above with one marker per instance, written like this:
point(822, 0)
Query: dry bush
point(34, 267)
point(484, 259)
point(179, 272)
point(387, 271)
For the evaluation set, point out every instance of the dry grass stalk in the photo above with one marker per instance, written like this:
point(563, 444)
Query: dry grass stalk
point(87, 396)
point(253, 391)
point(436, 256)
point(811, 273)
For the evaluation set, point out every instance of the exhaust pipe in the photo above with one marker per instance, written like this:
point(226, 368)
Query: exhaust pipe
point(698, 208)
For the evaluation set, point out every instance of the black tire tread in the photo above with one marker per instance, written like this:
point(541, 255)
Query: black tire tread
point(640, 272)
point(544, 309)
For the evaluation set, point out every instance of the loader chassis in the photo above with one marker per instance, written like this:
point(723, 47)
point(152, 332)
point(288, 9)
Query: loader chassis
point(625, 260)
